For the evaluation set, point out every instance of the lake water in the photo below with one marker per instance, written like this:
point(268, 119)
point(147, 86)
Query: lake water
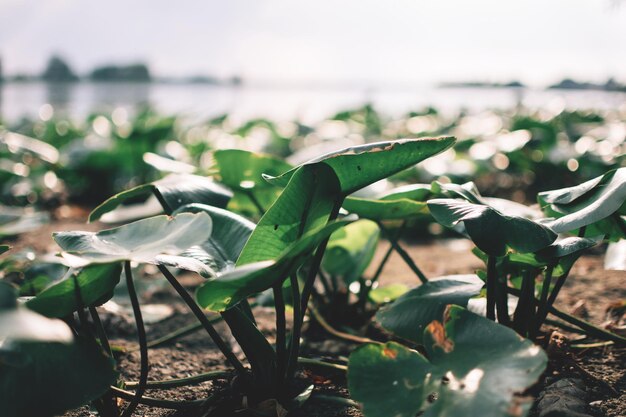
point(309, 104)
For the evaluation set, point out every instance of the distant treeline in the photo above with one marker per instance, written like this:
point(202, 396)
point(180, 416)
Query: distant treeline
point(59, 71)
point(610, 85)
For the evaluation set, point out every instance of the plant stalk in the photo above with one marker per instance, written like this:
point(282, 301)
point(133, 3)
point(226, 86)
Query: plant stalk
point(181, 382)
point(143, 344)
point(405, 256)
point(281, 333)
point(198, 312)
point(491, 287)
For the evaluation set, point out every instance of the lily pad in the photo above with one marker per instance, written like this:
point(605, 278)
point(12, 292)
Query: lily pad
point(54, 378)
point(228, 238)
point(362, 165)
point(351, 249)
point(142, 241)
point(475, 367)
point(409, 315)
point(173, 191)
point(17, 323)
point(228, 289)
point(588, 202)
point(490, 230)
point(96, 284)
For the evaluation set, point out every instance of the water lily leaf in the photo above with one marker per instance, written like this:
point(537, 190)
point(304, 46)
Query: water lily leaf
point(351, 249)
point(362, 165)
point(226, 290)
point(475, 368)
point(304, 205)
point(4, 248)
point(565, 247)
point(587, 203)
point(141, 241)
point(173, 191)
point(490, 230)
point(54, 378)
point(415, 192)
point(387, 293)
point(95, 282)
point(230, 234)
point(409, 315)
point(385, 209)
point(242, 172)
point(20, 324)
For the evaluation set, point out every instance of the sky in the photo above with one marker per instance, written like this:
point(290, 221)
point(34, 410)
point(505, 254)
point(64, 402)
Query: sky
point(386, 42)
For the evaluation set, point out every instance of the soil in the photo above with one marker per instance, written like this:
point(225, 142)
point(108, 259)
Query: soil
point(590, 290)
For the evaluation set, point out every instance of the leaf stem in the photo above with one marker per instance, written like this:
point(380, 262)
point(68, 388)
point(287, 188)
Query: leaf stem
point(491, 287)
point(543, 302)
point(198, 312)
point(323, 364)
point(330, 329)
point(156, 402)
point(255, 201)
point(281, 333)
point(296, 330)
point(166, 207)
point(306, 292)
point(102, 336)
point(405, 256)
point(181, 382)
point(143, 344)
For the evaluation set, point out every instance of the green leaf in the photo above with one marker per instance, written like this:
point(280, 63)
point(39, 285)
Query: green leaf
point(475, 368)
point(4, 248)
point(588, 202)
point(304, 205)
point(415, 192)
point(55, 378)
point(230, 234)
point(175, 190)
point(96, 284)
point(15, 221)
point(351, 249)
point(242, 171)
point(385, 209)
point(226, 290)
point(409, 315)
point(141, 241)
point(359, 166)
point(490, 230)
point(19, 323)
point(387, 293)
point(565, 247)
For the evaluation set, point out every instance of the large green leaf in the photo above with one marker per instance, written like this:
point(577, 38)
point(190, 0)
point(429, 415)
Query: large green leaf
point(242, 171)
point(359, 166)
point(95, 283)
point(475, 367)
point(385, 209)
point(410, 314)
point(54, 378)
point(228, 289)
point(351, 249)
point(174, 191)
point(230, 234)
point(588, 202)
point(490, 230)
point(152, 240)
point(19, 323)
point(304, 205)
